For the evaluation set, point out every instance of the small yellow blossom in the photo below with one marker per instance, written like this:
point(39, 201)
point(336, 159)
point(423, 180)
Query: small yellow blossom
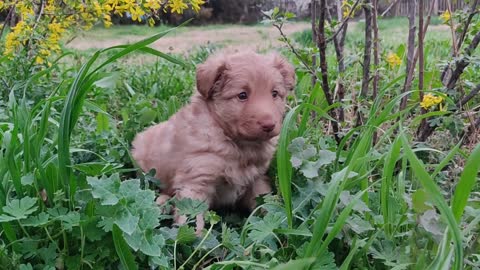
point(152, 4)
point(151, 22)
point(196, 4)
point(446, 16)
point(107, 21)
point(347, 8)
point(430, 100)
point(137, 13)
point(393, 60)
point(177, 6)
point(38, 60)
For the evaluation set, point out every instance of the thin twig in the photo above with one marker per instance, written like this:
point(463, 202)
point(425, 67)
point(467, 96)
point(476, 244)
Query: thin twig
point(473, 12)
point(389, 7)
point(367, 54)
point(294, 51)
point(344, 21)
point(322, 46)
point(376, 58)
point(410, 54)
point(10, 12)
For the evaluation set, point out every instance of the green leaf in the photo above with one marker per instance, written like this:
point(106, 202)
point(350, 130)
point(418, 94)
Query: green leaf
point(359, 225)
point(70, 220)
point(36, 221)
point(126, 222)
point(105, 189)
point(326, 157)
point(123, 252)
point(190, 207)
point(27, 179)
point(107, 82)
point(466, 183)
point(420, 200)
point(186, 235)
point(147, 242)
point(265, 227)
point(296, 264)
point(25, 267)
point(102, 122)
point(19, 209)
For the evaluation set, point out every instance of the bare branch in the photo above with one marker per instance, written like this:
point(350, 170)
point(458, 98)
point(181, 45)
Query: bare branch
point(389, 7)
point(322, 46)
point(462, 63)
point(468, 97)
point(473, 12)
point(410, 54)
point(344, 22)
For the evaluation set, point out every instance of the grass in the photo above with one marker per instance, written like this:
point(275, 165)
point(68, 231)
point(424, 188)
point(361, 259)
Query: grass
point(71, 197)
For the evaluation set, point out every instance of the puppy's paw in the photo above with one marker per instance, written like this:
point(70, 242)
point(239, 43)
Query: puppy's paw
point(200, 225)
point(162, 199)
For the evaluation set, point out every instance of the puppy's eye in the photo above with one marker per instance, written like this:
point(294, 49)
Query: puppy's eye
point(242, 96)
point(274, 93)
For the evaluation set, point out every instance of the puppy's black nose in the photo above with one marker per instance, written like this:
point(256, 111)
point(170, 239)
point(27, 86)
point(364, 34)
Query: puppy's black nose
point(268, 127)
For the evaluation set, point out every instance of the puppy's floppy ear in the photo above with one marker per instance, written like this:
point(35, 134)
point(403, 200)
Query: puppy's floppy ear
point(286, 69)
point(209, 74)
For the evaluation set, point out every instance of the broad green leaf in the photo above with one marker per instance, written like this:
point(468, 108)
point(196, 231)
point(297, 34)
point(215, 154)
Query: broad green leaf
point(420, 201)
point(126, 221)
point(190, 207)
point(36, 221)
point(123, 251)
point(108, 82)
point(27, 179)
point(265, 227)
point(105, 189)
point(186, 235)
point(147, 242)
point(19, 209)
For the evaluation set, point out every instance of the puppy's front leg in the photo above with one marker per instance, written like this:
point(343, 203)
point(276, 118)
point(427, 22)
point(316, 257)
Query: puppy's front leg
point(259, 187)
point(202, 193)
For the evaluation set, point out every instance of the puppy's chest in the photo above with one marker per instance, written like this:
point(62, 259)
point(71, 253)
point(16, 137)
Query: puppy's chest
point(242, 170)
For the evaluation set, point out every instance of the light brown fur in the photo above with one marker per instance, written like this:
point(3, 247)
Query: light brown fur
point(218, 148)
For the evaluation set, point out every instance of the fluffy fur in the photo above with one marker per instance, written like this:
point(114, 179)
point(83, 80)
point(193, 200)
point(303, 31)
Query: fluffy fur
point(218, 148)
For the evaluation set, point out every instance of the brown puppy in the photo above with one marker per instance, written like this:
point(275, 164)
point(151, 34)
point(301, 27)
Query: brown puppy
point(218, 148)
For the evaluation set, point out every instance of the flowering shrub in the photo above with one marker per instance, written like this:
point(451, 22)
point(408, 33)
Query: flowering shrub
point(43, 24)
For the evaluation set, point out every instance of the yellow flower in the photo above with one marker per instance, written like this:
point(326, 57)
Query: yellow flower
point(151, 22)
point(196, 4)
point(152, 4)
point(38, 60)
point(1, 5)
point(137, 13)
point(107, 21)
point(44, 52)
point(430, 100)
point(177, 6)
point(347, 8)
point(446, 16)
point(393, 60)
point(346, 11)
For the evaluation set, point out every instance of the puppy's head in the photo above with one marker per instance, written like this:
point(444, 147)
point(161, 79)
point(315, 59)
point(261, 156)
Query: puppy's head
point(246, 92)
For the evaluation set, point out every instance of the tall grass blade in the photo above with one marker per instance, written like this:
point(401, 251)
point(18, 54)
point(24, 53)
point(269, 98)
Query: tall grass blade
point(123, 250)
point(466, 183)
point(434, 191)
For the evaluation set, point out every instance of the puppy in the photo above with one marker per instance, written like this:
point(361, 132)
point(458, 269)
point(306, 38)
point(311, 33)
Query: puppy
point(217, 149)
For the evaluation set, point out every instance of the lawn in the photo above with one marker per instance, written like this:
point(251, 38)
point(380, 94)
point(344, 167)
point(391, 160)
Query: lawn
point(72, 198)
